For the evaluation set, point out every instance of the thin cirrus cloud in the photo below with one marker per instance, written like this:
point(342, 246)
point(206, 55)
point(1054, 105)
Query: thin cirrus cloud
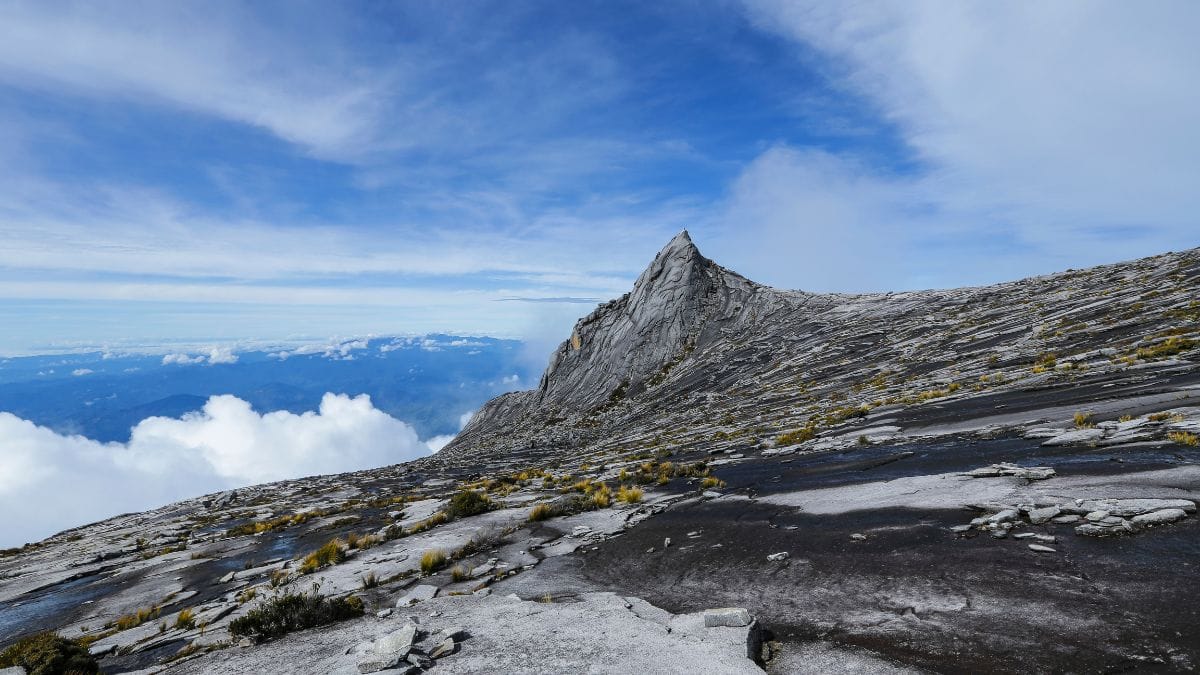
point(339, 158)
point(224, 445)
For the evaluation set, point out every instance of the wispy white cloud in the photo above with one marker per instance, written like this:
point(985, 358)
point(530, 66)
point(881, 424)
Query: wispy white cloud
point(213, 58)
point(1062, 133)
point(226, 444)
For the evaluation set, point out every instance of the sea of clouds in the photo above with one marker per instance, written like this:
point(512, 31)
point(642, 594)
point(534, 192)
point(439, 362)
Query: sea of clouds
point(51, 481)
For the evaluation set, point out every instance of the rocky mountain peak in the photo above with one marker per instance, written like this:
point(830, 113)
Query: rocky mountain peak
point(616, 349)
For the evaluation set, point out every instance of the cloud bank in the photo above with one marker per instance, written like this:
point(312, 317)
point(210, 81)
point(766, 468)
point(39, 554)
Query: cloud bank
point(50, 481)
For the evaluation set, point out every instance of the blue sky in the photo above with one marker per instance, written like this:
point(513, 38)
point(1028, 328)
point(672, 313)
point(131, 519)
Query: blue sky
point(219, 171)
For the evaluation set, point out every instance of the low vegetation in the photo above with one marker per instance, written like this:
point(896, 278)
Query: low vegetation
point(466, 503)
point(433, 560)
point(1184, 438)
point(331, 553)
point(135, 619)
point(1169, 347)
point(290, 612)
point(629, 495)
point(1083, 420)
point(49, 654)
point(541, 512)
point(460, 573)
point(186, 620)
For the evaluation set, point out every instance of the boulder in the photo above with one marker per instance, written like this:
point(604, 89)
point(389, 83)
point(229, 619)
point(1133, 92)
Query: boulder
point(734, 617)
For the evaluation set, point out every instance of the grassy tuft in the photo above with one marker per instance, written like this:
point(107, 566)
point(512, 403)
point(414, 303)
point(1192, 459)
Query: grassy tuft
point(329, 554)
point(541, 512)
point(1184, 438)
point(629, 495)
point(186, 620)
point(1084, 421)
point(466, 503)
point(433, 561)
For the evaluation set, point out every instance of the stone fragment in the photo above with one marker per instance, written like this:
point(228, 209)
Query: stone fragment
point(1004, 516)
point(1159, 517)
point(384, 613)
point(1040, 548)
point(419, 593)
point(960, 528)
point(858, 537)
point(1133, 507)
point(1065, 520)
point(734, 617)
point(444, 648)
point(1096, 516)
point(1039, 516)
point(778, 557)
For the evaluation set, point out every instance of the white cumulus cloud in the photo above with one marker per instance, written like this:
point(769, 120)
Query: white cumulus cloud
point(50, 481)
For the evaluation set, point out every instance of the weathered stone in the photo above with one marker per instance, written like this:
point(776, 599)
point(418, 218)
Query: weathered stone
point(735, 617)
point(1004, 516)
point(416, 594)
point(397, 641)
point(1076, 436)
point(1133, 507)
point(1040, 548)
point(1158, 517)
point(1066, 520)
point(1039, 516)
point(778, 557)
point(443, 648)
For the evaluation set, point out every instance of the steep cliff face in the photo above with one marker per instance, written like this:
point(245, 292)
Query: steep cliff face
point(679, 302)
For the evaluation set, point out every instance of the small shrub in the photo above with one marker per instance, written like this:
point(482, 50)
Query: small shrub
point(1159, 417)
point(711, 482)
point(280, 578)
point(290, 612)
point(1084, 420)
point(186, 620)
point(369, 580)
point(49, 654)
point(329, 554)
point(1125, 418)
point(467, 503)
point(541, 512)
point(247, 595)
point(1184, 438)
point(629, 495)
point(433, 561)
point(460, 573)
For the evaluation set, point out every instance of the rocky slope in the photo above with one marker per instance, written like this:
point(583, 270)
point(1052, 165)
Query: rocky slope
point(996, 479)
